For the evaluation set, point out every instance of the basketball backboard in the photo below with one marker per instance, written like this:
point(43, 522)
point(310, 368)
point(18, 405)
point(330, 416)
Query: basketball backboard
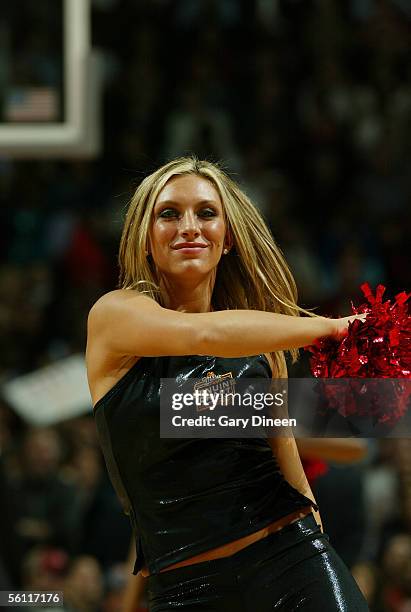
point(54, 111)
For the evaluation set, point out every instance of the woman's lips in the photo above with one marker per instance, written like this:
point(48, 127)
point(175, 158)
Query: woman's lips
point(190, 249)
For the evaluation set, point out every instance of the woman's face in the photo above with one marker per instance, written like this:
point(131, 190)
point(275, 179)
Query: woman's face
point(188, 211)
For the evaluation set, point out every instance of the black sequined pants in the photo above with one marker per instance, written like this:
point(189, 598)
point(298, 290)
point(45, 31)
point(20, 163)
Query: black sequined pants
point(295, 568)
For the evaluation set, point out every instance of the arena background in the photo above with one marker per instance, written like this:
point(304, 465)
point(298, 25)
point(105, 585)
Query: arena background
point(308, 105)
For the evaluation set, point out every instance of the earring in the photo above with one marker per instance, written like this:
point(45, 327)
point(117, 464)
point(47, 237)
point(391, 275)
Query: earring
point(225, 251)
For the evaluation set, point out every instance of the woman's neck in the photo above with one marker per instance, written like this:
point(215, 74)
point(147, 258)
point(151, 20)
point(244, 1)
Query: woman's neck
point(185, 298)
point(190, 305)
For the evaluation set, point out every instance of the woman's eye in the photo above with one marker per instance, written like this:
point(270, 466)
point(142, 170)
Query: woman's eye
point(210, 211)
point(170, 212)
point(164, 213)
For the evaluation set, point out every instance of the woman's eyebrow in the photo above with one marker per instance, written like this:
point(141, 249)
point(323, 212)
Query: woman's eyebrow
point(176, 203)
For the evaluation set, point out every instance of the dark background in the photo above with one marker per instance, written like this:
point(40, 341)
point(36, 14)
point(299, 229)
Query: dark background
point(308, 105)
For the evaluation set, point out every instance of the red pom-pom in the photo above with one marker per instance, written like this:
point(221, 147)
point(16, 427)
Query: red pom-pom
point(379, 347)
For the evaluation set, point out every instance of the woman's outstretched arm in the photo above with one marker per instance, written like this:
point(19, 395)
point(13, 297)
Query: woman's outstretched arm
point(129, 323)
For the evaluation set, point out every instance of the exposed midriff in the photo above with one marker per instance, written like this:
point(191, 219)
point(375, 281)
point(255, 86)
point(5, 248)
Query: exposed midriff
point(226, 550)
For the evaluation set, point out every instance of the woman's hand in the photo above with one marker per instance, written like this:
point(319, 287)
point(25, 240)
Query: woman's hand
point(341, 325)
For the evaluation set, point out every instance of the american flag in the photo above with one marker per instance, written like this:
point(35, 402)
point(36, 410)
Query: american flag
point(31, 104)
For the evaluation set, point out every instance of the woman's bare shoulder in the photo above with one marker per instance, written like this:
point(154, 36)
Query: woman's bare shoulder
point(119, 296)
point(106, 314)
point(104, 368)
point(116, 303)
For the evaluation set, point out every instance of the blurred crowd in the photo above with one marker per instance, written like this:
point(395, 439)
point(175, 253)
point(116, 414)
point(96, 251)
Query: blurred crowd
point(308, 105)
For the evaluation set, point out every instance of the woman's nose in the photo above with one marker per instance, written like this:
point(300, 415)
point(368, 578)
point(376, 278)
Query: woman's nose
point(189, 224)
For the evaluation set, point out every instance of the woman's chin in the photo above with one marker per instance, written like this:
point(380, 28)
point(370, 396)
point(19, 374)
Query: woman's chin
point(192, 267)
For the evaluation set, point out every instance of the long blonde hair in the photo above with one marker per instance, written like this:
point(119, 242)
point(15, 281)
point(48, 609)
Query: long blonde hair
point(253, 276)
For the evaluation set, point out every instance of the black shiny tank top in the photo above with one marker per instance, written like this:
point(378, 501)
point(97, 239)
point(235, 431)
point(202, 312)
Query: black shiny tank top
point(187, 496)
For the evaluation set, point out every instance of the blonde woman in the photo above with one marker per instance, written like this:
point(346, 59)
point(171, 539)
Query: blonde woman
point(220, 524)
